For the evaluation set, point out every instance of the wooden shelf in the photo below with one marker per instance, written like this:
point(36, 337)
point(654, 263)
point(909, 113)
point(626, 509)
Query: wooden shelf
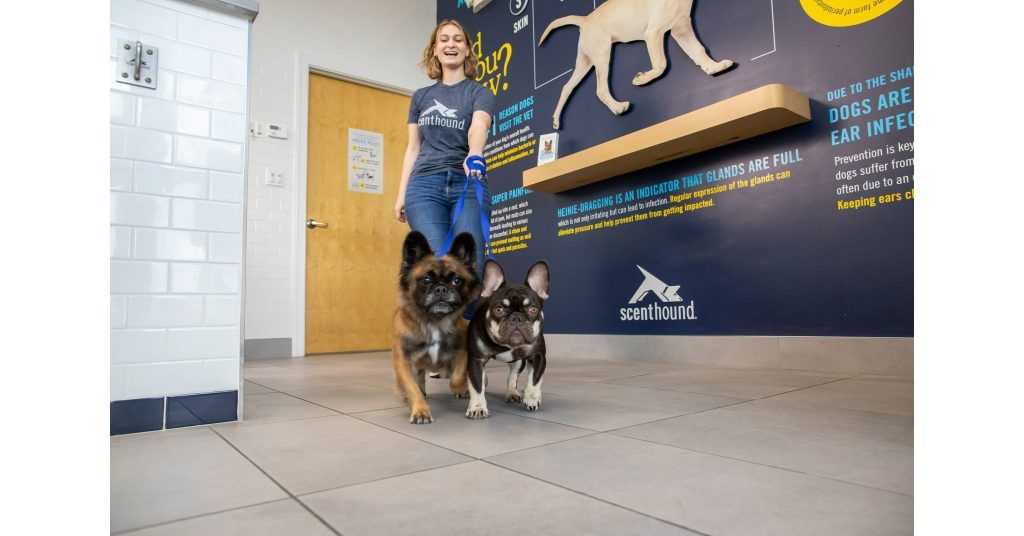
point(759, 111)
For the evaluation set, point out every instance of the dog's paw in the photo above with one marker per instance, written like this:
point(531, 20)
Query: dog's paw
point(718, 67)
point(421, 416)
point(619, 108)
point(464, 394)
point(477, 412)
point(513, 397)
point(531, 399)
point(555, 122)
point(642, 78)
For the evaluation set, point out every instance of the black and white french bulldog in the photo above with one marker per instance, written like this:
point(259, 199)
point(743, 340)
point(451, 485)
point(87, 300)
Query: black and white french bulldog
point(508, 326)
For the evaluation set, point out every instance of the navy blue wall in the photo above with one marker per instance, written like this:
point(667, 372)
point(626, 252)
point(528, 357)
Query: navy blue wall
point(784, 258)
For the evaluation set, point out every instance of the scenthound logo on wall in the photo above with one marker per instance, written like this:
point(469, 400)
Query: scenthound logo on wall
point(656, 292)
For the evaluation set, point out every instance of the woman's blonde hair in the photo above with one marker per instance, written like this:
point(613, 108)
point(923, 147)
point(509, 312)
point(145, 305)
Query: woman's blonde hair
point(432, 65)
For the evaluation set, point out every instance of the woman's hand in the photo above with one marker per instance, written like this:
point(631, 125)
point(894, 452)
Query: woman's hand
point(472, 173)
point(400, 210)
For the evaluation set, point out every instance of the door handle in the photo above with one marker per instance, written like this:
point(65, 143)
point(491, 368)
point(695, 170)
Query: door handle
point(313, 224)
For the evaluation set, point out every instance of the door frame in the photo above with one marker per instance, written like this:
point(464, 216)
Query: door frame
point(309, 64)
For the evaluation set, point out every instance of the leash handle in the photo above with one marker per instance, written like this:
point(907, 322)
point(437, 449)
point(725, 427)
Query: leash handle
point(476, 163)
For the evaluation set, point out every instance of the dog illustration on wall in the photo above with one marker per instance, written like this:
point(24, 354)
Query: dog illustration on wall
point(622, 21)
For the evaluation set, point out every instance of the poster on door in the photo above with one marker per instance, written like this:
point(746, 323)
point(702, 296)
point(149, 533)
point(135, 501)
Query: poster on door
point(365, 161)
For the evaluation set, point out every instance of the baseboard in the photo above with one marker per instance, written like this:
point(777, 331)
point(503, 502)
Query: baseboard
point(267, 348)
point(891, 356)
point(151, 414)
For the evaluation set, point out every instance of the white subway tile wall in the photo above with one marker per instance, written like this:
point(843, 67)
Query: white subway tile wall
point(220, 374)
point(282, 30)
point(151, 380)
point(176, 214)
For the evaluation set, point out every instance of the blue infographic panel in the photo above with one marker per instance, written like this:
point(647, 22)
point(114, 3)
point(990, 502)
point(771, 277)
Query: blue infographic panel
point(804, 231)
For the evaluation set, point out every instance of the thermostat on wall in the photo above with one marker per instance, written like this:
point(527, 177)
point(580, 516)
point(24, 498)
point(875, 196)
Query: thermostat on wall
point(275, 130)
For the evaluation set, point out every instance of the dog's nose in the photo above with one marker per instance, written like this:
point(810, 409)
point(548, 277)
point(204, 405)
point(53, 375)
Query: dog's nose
point(517, 318)
point(442, 290)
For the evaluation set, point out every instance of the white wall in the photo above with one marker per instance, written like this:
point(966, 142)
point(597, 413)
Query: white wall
point(378, 40)
point(176, 191)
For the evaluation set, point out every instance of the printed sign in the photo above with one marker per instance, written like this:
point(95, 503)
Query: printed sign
point(806, 231)
point(365, 161)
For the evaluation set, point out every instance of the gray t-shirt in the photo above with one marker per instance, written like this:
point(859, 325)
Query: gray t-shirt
point(444, 114)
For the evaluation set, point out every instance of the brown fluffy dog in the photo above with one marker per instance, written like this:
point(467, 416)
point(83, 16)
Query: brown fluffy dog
point(430, 333)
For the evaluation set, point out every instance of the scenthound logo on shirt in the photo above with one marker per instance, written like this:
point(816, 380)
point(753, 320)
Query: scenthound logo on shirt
point(665, 293)
point(440, 115)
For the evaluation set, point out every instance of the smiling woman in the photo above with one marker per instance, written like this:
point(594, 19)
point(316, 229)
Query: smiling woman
point(448, 123)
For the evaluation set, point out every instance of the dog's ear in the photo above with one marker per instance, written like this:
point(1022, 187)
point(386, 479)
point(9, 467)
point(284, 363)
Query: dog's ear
point(414, 250)
point(464, 250)
point(537, 279)
point(494, 278)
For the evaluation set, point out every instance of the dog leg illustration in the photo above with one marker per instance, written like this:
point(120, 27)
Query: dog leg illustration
point(656, 49)
point(600, 53)
point(683, 33)
point(583, 65)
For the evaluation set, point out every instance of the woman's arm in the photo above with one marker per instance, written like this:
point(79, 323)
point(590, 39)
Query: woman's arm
point(412, 150)
point(478, 128)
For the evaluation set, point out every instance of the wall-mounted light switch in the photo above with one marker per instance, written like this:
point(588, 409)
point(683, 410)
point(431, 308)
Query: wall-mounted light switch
point(257, 130)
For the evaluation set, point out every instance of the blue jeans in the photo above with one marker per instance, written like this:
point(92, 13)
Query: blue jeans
point(430, 204)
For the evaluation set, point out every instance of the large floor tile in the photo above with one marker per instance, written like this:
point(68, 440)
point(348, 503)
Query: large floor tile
point(285, 379)
point(255, 363)
point(273, 407)
point(479, 438)
point(271, 519)
point(602, 406)
point(317, 454)
point(249, 388)
point(871, 449)
point(739, 383)
point(156, 478)
point(869, 393)
point(711, 494)
point(474, 498)
point(352, 398)
point(559, 372)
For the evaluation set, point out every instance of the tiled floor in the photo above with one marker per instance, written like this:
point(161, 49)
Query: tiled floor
point(616, 448)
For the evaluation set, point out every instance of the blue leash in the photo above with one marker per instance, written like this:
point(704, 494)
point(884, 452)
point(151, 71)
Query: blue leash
point(474, 163)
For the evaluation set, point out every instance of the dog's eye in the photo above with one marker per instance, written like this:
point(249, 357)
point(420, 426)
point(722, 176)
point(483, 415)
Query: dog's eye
point(456, 281)
point(499, 310)
point(425, 280)
point(532, 310)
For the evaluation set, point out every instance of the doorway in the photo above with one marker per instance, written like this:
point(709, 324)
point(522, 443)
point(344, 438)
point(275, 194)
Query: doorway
point(352, 263)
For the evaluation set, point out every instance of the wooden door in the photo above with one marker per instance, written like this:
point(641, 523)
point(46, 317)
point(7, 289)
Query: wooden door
point(352, 265)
